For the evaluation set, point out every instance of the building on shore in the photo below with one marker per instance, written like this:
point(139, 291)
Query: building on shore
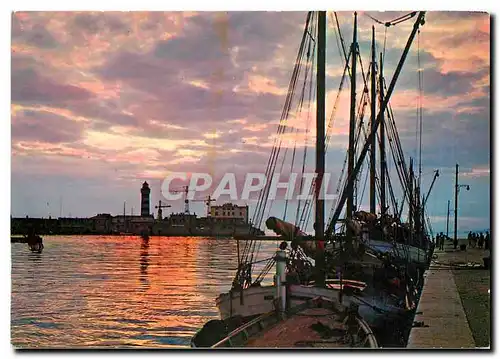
point(229, 211)
point(225, 220)
point(76, 225)
point(131, 224)
point(21, 225)
point(102, 223)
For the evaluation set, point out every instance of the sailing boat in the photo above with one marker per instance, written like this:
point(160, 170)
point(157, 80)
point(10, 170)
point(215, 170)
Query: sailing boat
point(249, 309)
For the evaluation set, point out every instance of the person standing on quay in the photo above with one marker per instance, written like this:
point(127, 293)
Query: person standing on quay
point(481, 240)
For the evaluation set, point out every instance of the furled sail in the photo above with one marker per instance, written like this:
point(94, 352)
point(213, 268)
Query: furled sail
point(291, 232)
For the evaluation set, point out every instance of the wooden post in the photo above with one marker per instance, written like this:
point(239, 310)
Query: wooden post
point(455, 240)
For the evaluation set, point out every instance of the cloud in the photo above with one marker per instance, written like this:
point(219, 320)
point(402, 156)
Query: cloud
point(96, 23)
point(45, 127)
point(29, 87)
point(476, 173)
point(31, 34)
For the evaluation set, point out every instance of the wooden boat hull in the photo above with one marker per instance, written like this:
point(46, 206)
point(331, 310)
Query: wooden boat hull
point(36, 247)
point(249, 302)
point(258, 300)
point(400, 252)
point(302, 325)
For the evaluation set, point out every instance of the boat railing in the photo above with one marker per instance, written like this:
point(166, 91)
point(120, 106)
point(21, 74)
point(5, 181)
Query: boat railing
point(244, 329)
point(370, 336)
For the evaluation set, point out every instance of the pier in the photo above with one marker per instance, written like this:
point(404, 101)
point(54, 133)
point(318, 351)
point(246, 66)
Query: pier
point(454, 308)
point(18, 239)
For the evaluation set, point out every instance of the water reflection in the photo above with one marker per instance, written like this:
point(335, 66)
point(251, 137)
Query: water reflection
point(144, 261)
point(34, 257)
point(92, 292)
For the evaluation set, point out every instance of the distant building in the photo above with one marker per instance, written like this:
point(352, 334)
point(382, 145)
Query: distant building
point(145, 192)
point(102, 223)
point(22, 225)
point(181, 219)
point(224, 220)
point(76, 225)
point(142, 224)
point(230, 211)
point(131, 224)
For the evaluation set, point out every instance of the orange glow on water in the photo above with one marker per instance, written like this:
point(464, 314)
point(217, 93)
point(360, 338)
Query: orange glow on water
point(107, 291)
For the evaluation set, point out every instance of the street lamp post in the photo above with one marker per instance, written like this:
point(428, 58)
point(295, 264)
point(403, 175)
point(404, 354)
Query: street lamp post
point(448, 220)
point(457, 189)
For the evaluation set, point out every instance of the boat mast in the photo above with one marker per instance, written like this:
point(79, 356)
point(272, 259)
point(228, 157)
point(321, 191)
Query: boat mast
point(372, 122)
point(362, 155)
point(352, 125)
point(411, 197)
point(421, 218)
point(320, 149)
point(382, 140)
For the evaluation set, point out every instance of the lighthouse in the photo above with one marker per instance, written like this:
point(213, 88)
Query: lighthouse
point(145, 192)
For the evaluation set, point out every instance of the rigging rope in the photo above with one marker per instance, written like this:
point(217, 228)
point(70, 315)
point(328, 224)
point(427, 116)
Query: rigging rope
point(252, 248)
point(282, 125)
point(249, 249)
point(309, 38)
point(299, 112)
point(342, 41)
point(304, 219)
point(395, 21)
point(312, 95)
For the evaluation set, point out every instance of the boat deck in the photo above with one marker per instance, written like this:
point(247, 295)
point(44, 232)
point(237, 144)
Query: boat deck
point(318, 322)
point(298, 330)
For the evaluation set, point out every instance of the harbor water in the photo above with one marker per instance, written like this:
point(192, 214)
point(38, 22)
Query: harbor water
point(116, 292)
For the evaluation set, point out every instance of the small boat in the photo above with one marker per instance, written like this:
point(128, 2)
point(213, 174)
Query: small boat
point(36, 247)
point(35, 243)
point(318, 322)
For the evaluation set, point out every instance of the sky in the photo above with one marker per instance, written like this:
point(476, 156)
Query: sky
point(101, 102)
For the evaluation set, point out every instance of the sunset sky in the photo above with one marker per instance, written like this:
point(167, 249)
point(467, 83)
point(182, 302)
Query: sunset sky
point(103, 101)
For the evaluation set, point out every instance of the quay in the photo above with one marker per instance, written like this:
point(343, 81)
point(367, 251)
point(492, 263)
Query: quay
point(18, 239)
point(454, 308)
